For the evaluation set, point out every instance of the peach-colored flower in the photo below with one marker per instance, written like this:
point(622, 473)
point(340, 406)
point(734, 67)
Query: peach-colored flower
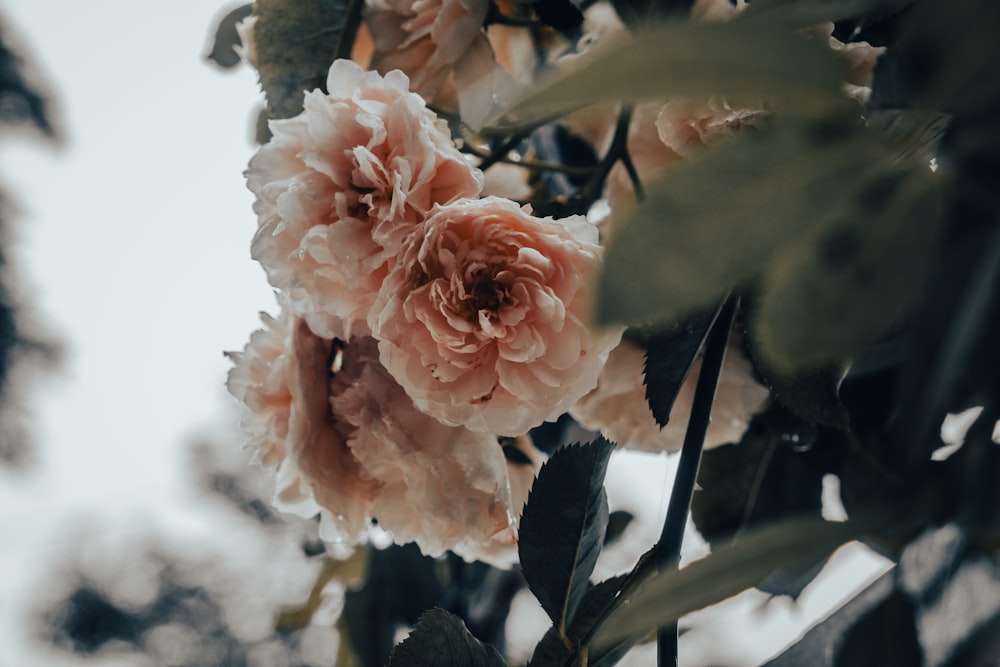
point(348, 443)
point(483, 319)
point(617, 406)
point(685, 127)
point(441, 45)
point(340, 186)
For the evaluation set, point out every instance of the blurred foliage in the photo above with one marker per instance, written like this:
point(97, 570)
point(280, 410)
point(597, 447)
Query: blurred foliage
point(296, 40)
point(23, 349)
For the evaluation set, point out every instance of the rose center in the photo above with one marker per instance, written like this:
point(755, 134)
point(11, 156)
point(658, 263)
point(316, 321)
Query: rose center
point(485, 291)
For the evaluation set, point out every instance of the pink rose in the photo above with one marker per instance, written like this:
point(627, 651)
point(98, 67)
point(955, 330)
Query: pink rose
point(441, 45)
point(340, 186)
point(348, 443)
point(483, 319)
point(685, 127)
point(617, 406)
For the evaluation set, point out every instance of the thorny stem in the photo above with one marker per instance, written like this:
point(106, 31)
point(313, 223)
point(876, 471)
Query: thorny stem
point(666, 552)
point(349, 30)
point(591, 190)
point(668, 549)
point(528, 163)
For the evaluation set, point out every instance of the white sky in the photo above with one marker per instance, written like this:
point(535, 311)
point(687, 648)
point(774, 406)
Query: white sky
point(134, 236)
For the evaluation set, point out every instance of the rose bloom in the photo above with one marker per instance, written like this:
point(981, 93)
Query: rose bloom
point(618, 408)
point(483, 319)
point(340, 186)
point(348, 443)
point(441, 45)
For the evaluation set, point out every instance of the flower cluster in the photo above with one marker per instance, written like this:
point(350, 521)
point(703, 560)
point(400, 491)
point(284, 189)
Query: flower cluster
point(421, 325)
point(428, 321)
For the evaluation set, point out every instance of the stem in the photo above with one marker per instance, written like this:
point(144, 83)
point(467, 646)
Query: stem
point(349, 30)
point(668, 549)
point(687, 472)
point(528, 163)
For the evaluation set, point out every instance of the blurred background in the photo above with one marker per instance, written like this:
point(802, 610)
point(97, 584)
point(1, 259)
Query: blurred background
point(132, 532)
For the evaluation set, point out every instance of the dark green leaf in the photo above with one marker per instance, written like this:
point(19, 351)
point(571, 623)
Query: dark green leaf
point(296, 41)
point(401, 584)
point(913, 134)
point(440, 639)
point(944, 61)
point(774, 473)
point(637, 13)
point(811, 12)
point(716, 221)
point(811, 394)
point(227, 40)
point(563, 527)
point(742, 62)
point(617, 523)
point(664, 598)
point(885, 636)
point(826, 298)
point(670, 352)
point(816, 647)
point(551, 651)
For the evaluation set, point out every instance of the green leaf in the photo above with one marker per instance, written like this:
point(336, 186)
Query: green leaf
point(812, 395)
point(440, 639)
point(716, 221)
point(296, 41)
point(913, 134)
point(830, 295)
point(885, 636)
point(637, 13)
point(401, 584)
point(563, 527)
point(810, 12)
point(774, 473)
point(552, 651)
point(226, 40)
point(663, 599)
point(743, 62)
point(618, 521)
point(670, 352)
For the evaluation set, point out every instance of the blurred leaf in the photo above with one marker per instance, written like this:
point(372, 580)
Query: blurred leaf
point(227, 40)
point(816, 647)
point(808, 13)
point(441, 639)
point(664, 598)
point(563, 527)
point(716, 221)
point(744, 62)
point(296, 42)
point(914, 134)
point(637, 13)
point(887, 635)
point(670, 352)
point(617, 523)
point(944, 61)
point(827, 297)
point(350, 572)
point(812, 394)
